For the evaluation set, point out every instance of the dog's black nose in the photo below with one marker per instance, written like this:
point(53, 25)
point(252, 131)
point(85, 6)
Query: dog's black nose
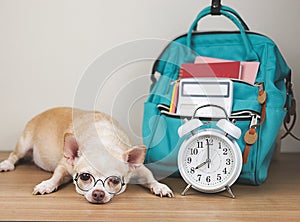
point(98, 195)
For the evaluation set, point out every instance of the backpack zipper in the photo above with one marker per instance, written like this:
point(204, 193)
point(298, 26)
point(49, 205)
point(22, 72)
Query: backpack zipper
point(238, 115)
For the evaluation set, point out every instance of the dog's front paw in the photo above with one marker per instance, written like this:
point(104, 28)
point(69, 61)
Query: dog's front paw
point(161, 190)
point(44, 187)
point(6, 165)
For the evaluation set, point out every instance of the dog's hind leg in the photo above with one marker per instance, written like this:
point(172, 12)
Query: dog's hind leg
point(22, 148)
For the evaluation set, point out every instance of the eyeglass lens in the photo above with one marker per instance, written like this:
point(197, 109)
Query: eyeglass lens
point(86, 181)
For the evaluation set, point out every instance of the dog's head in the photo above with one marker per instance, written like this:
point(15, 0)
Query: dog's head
point(99, 176)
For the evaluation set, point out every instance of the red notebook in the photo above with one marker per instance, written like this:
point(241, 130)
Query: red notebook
point(209, 70)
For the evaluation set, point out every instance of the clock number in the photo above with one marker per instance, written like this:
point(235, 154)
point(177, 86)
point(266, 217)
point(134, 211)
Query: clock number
point(219, 177)
point(220, 145)
point(194, 151)
point(225, 171)
point(192, 171)
point(199, 144)
point(208, 180)
point(225, 151)
point(199, 177)
point(228, 161)
point(189, 160)
point(210, 142)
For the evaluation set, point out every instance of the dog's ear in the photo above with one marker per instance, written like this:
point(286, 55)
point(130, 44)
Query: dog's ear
point(71, 148)
point(135, 156)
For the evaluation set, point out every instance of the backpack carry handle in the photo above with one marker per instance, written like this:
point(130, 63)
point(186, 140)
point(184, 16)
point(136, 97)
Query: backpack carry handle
point(233, 12)
point(230, 14)
point(216, 7)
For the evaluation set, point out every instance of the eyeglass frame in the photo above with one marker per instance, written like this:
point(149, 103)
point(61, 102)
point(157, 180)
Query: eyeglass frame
point(96, 181)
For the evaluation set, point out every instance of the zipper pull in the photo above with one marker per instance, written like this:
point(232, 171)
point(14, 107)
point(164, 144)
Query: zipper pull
point(254, 121)
point(251, 136)
point(260, 85)
point(262, 95)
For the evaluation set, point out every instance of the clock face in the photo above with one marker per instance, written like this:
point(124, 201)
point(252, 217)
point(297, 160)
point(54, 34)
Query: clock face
point(209, 161)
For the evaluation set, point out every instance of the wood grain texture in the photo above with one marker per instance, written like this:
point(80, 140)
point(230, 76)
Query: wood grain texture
point(278, 199)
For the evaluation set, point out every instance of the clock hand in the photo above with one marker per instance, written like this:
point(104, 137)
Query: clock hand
point(202, 164)
point(208, 154)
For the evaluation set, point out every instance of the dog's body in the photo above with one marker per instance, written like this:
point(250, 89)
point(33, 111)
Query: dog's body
point(71, 142)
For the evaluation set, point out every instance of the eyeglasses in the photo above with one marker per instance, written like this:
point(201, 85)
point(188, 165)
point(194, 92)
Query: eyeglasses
point(86, 182)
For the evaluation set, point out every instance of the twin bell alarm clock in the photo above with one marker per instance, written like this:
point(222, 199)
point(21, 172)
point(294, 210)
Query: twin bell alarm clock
point(209, 159)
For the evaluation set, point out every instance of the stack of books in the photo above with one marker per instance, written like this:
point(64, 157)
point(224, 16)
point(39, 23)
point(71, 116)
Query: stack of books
point(213, 69)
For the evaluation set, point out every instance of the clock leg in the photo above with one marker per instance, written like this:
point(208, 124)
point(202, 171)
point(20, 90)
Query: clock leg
point(230, 192)
point(186, 189)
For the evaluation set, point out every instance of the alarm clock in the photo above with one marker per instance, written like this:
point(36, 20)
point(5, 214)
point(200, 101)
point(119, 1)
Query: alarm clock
point(210, 159)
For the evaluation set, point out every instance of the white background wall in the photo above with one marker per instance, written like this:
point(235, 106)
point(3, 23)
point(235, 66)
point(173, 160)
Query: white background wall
point(46, 45)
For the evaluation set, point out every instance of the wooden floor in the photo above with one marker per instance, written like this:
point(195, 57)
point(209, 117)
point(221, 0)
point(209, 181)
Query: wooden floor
point(278, 199)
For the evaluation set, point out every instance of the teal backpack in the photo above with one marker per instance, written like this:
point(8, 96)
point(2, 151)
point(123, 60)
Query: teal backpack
point(257, 109)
